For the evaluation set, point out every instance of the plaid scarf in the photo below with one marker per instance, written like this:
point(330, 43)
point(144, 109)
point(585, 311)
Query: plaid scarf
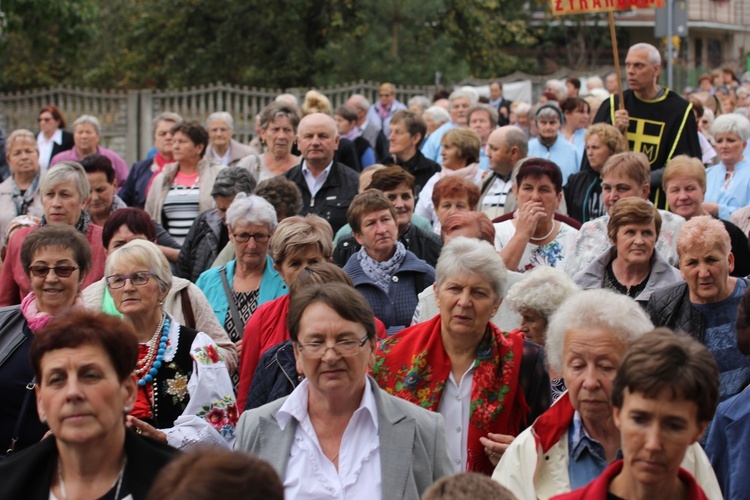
point(81, 226)
point(414, 366)
point(23, 201)
point(381, 273)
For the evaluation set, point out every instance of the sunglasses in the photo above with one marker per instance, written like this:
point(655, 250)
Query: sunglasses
point(60, 271)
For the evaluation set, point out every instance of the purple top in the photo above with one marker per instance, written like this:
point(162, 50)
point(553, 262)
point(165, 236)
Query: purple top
point(121, 168)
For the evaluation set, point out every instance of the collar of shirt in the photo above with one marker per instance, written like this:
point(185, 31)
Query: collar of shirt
point(315, 183)
point(223, 159)
point(587, 456)
point(296, 405)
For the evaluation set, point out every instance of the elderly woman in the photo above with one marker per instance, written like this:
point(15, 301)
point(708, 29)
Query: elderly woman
point(434, 118)
point(623, 175)
point(184, 395)
point(337, 424)
point(297, 243)
point(83, 363)
point(387, 274)
point(86, 135)
point(209, 235)
point(182, 190)
point(19, 193)
point(103, 201)
point(583, 191)
point(237, 289)
point(460, 159)
point(52, 137)
point(574, 441)
point(664, 379)
point(536, 298)
point(278, 128)
point(413, 231)
point(551, 145)
point(460, 359)
point(56, 259)
point(408, 129)
point(728, 182)
point(185, 301)
point(705, 304)
point(222, 148)
point(533, 237)
point(631, 266)
point(64, 191)
point(684, 182)
point(460, 101)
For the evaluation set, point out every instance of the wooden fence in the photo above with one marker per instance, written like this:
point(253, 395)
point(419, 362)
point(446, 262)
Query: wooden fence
point(126, 116)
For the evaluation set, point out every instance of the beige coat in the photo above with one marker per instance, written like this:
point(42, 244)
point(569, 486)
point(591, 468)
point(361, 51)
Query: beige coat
point(207, 171)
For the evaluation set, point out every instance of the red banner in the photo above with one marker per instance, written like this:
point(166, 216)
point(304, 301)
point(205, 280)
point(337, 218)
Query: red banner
point(566, 7)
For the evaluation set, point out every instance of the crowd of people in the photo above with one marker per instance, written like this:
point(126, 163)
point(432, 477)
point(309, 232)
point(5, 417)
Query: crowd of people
point(455, 297)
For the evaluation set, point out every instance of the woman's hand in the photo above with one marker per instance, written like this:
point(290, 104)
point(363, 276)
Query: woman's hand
point(495, 445)
point(141, 427)
point(528, 217)
point(238, 346)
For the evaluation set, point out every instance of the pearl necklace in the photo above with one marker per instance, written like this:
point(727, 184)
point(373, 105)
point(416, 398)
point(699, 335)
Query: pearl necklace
point(149, 366)
point(546, 235)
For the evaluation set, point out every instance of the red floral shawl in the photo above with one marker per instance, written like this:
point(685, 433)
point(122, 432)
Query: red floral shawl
point(414, 366)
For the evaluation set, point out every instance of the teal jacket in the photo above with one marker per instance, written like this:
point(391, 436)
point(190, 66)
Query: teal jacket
point(271, 287)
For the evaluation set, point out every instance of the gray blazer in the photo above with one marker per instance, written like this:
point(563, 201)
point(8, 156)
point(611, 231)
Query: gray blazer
point(413, 452)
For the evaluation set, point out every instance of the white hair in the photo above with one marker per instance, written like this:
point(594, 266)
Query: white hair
point(220, 115)
point(541, 290)
point(360, 102)
point(63, 172)
point(590, 310)
point(594, 82)
point(252, 209)
point(463, 256)
point(464, 93)
point(521, 108)
point(91, 120)
point(146, 254)
point(419, 100)
point(440, 115)
point(559, 87)
point(654, 57)
point(288, 98)
point(731, 123)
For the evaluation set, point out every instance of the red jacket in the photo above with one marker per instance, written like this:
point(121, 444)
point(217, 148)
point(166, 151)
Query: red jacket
point(597, 489)
point(15, 285)
point(265, 329)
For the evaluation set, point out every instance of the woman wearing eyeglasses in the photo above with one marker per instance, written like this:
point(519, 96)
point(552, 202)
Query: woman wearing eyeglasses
point(236, 290)
point(56, 259)
point(185, 396)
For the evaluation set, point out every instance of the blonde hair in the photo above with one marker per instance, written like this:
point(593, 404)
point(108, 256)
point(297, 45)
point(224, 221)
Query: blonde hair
point(297, 232)
point(633, 165)
point(315, 102)
point(684, 166)
point(703, 232)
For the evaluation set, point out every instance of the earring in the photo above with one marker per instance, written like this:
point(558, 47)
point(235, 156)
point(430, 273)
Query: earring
point(127, 409)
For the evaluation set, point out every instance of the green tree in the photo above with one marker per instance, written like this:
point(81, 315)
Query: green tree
point(45, 41)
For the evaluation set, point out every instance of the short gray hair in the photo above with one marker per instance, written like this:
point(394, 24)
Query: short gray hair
point(287, 98)
point(20, 134)
point(419, 100)
point(731, 123)
point(220, 115)
point(232, 180)
point(63, 172)
point(91, 120)
point(594, 309)
point(440, 115)
point(167, 116)
point(464, 93)
point(252, 209)
point(491, 111)
point(360, 102)
point(594, 82)
point(146, 254)
point(654, 57)
point(521, 108)
point(471, 256)
point(541, 290)
point(515, 137)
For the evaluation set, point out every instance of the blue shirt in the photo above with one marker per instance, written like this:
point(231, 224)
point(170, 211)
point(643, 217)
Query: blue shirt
point(562, 153)
point(721, 340)
point(737, 192)
point(434, 143)
point(587, 459)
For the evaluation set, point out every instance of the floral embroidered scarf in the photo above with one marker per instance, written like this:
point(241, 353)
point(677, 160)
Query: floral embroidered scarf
point(414, 366)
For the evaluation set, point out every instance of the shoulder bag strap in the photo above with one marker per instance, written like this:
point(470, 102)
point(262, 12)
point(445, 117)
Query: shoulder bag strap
point(238, 323)
point(187, 308)
point(21, 416)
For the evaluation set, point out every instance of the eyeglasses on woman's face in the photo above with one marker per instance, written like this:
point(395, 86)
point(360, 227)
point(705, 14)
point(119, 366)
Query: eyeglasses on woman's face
point(40, 271)
point(344, 348)
point(139, 278)
point(258, 237)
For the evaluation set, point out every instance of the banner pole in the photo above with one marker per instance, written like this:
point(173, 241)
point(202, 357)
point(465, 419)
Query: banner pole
point(616, 54)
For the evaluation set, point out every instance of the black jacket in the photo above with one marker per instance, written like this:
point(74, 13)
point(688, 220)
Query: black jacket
point(133, 193)
point(67, 144)
point(347, 154)
point(420, 167)
point(332, 200)
point(201, 245)
point(28, 474)
point(275, 377)
point(583, 195)
point(671, 307)
point(424, 245)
